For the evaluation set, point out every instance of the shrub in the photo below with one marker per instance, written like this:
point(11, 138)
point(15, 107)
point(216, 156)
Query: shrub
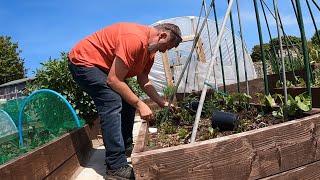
point(54, 74)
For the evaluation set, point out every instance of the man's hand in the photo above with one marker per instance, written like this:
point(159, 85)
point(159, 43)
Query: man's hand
point(144, 111)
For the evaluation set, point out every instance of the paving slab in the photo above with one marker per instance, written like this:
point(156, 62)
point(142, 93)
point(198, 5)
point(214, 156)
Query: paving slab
point(95, 168)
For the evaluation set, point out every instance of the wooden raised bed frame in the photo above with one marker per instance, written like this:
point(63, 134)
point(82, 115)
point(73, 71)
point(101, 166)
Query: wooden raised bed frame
point(58, 159)
point(281, 151)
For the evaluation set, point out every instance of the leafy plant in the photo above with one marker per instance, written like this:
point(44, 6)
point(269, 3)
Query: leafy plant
point(279, 84)
point(314, 53)
point(134, 86)
point(167, 127)
point(168, 92)
point(295, 106)
point(54, 74)
point(209, 134)
point(314, 38)
point(316, 73)
point(182, 133)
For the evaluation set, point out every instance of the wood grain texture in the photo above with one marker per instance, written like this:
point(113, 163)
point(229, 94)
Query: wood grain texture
point(43, 161)
point(309, 171)
point(249, 155)
point(167, 70)
point(142, 139)
point(66, 170)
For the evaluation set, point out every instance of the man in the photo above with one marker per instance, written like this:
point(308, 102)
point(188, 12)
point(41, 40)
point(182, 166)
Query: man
point(101, 62)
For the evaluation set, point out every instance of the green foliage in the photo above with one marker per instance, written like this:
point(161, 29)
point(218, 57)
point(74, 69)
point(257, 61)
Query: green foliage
point(134, 86)
point(34, 137)
point(314, 53)
point(214, 102)
point(316, 75)
point(303, 102)
point(266, 100)
point(179, 116)
point(295, 106)
point(256, 52)
point(182, 133)
point(295, 63)
point(209, 134)
point(314, 38)
point(299, 82)
point(54, 74)
point(167, 127)
point(11, 65)
point(296, 41)
point(168, 92)
point(229, 102)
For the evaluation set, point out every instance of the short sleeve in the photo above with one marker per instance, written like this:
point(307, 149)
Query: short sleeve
point(128, 49)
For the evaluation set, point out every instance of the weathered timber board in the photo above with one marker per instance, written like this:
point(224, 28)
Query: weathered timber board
point(249, 155)
point(142, 138)
point(43, 161)
point(309, 171)
point(66, 170)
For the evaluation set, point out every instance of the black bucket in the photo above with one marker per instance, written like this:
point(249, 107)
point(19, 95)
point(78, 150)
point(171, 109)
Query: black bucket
point(192, 106)
point(225, 121)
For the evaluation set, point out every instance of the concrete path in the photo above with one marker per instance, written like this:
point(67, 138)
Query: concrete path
point(95, 168)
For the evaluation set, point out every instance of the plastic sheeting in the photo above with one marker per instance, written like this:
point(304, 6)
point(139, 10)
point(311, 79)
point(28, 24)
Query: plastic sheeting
point(197, 71)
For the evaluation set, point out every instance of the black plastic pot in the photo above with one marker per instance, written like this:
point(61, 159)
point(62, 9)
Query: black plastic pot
point(192, 106)
point(225, 121)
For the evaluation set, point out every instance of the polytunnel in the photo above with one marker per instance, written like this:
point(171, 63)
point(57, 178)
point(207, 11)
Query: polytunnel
point(194, 76)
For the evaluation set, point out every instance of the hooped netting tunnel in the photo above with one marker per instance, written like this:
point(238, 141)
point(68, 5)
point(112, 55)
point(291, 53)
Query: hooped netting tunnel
point(33, 121)
point(7, 126)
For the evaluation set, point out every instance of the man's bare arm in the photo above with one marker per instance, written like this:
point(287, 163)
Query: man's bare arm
point(115, 80)
point(147, 87)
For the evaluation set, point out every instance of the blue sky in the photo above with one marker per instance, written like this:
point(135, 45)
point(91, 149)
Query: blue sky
point(43, 29)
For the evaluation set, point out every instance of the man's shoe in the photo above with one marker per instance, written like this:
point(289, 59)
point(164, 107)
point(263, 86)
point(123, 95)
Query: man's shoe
point(123, 173)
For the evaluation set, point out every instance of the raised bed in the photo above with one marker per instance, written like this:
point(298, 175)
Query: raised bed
point(58, 159)
point(274, 78)
point(282, 151)
point(294, 91)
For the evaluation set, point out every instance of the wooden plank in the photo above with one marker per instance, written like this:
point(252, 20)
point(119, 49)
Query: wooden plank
point(42, 161)
point(199, 46)
point(200, 51)
point(249, 155)
point(188, 38)
point(66, 170)
point(142, 138)
point(167, 70)
point(310, 171)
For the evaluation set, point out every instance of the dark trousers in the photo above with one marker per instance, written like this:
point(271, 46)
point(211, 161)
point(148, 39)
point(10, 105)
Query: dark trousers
point(116, 115)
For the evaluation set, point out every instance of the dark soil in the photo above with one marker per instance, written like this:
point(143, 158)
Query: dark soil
point(248, 120)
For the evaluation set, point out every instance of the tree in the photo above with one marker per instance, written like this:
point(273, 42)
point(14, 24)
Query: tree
point(256, 52)
point(315, 39)
point(296, 41)
point(54, 74)
point(11, 64)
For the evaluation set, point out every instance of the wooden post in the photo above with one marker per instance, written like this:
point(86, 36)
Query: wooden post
point(199, 46)
point(167, 70)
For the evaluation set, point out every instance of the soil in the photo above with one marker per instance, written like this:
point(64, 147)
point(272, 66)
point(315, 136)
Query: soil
point(248, 120)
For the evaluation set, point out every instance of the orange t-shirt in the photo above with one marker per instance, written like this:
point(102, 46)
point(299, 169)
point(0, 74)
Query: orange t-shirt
point(128, 41)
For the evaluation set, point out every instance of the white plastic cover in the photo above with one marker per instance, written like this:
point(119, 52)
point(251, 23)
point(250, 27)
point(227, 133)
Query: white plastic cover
point(197, 71)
